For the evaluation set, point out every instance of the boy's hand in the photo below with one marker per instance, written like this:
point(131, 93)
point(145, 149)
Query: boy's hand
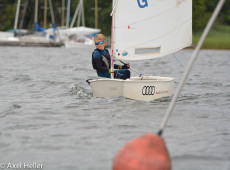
point(126, 66)
point(110, 71)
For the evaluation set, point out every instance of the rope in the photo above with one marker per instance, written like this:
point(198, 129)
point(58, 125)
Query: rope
point(191, 62)
point(140, 74)
point(174, 55)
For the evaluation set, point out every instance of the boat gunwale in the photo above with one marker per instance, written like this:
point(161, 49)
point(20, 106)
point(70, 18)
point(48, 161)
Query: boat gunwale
point(156, 79)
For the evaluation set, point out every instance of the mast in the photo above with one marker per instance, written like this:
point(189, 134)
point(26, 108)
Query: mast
point(112, 35)
point(45, 13)
point(16, 16)
point(36, 12)
point(75, 15)
point(68, 14)
point(96, 14)
point(23, 15)
point(51, 12)
point(53, 19)
point(83, 13)
point(80, 13)
point(63, 13)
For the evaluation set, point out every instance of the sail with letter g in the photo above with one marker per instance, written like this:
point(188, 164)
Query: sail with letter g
point(145, 29)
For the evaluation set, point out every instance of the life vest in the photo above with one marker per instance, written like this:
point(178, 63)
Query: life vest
point(94, 63)
point(103, 58)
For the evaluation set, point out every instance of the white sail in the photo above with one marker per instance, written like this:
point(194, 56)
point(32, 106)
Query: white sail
point(145, 29)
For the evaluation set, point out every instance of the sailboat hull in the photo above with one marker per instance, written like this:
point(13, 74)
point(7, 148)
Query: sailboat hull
point(145, 88)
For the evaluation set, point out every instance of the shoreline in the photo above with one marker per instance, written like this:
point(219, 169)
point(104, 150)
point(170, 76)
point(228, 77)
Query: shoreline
point(218, 38)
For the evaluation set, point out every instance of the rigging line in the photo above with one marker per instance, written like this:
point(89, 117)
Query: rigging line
point(191, 62)
point(131, 68)
point(140, 74)
point(161, 35)
point(178, 60)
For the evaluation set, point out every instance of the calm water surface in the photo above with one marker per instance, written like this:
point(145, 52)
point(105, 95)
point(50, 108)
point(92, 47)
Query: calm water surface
point(48, 114)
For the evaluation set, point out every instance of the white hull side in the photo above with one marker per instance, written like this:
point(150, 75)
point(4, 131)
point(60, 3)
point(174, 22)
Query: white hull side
point(107, 87)
point(147, 89)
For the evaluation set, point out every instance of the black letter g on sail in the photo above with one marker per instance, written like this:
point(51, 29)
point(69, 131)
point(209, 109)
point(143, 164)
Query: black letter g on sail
point(148, 90)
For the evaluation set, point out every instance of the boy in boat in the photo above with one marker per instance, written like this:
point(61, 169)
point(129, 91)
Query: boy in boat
point(102, 62)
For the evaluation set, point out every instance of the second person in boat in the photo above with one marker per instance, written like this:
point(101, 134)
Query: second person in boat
point(101, 61)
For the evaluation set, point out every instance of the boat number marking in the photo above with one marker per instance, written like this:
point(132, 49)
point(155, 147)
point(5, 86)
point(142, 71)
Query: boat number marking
point(142, 4)
point(148, 90)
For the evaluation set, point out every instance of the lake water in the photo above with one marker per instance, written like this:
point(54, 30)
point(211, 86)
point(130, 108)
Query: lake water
point(48, 114)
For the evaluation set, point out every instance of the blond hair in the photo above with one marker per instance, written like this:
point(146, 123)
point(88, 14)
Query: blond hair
point(99, 37)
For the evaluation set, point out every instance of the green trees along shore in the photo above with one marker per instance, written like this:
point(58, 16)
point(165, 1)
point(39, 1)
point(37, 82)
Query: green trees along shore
point(218, 38)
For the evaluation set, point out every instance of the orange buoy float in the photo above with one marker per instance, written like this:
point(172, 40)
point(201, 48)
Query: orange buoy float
point(147, 152)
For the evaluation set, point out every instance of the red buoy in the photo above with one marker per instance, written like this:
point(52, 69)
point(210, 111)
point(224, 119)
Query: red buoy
point(147, 152)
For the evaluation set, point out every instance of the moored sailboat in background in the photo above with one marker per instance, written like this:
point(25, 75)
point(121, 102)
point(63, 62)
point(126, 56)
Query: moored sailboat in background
point(37, 38)
point(79, 36)
point(67, 36)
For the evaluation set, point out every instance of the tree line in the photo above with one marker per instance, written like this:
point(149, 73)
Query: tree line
point(202, 10)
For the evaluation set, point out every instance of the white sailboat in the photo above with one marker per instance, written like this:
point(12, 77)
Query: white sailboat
point(25, 38)
point(146, 29)
point(78, 36)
